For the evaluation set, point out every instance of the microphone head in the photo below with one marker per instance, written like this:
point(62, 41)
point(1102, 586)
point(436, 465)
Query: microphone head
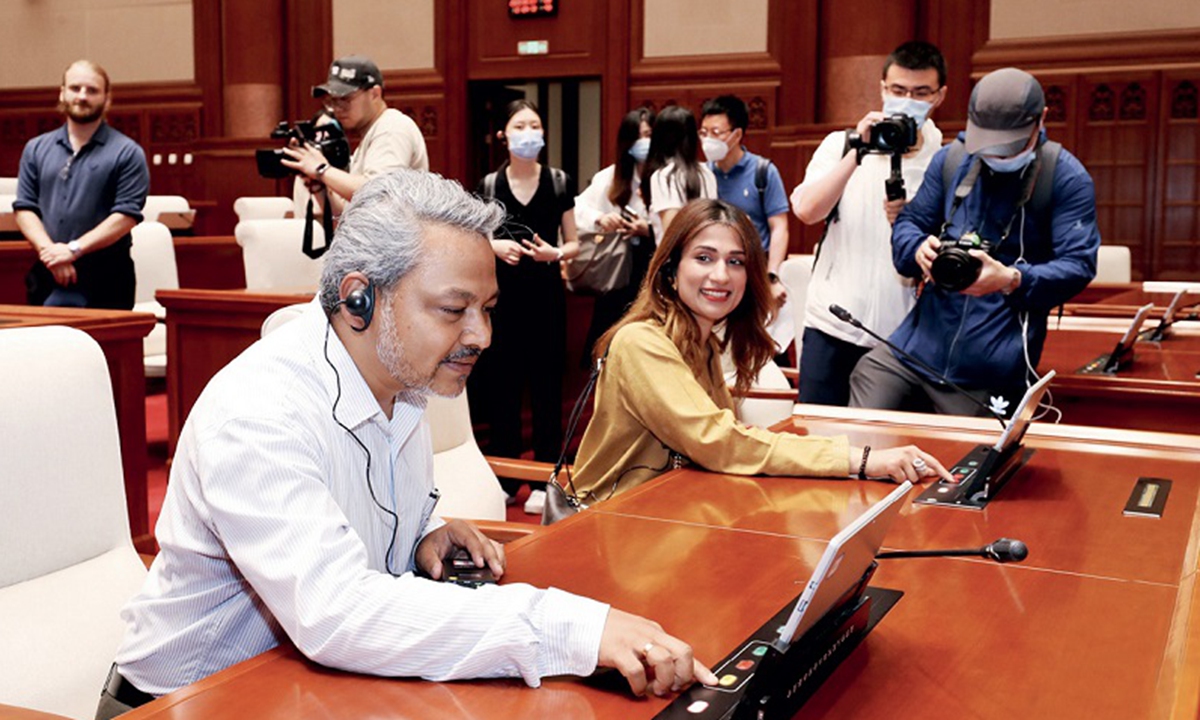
point(841, 313)
point(1007, 550)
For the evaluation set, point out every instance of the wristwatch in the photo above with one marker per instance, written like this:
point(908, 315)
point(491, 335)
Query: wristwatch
point(320, 172)
point(75, 248)
point(1013, 284)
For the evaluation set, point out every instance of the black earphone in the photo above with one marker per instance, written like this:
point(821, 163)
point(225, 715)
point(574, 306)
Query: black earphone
point(361, 304)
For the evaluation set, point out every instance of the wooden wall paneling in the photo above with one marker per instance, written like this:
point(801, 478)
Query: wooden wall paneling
point(224, 171)
point(450, 54)
point(1089, 52)
point(799, 60)
point(1177, 255)
point(959, 28)
point(1117, 143)
point(206, 24)
point(308, 52)
point(422, 98)
point(614, 86)
point(575, 46)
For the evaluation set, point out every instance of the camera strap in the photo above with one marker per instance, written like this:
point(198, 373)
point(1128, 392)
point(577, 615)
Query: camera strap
point(1038, 186)
point(327, 224)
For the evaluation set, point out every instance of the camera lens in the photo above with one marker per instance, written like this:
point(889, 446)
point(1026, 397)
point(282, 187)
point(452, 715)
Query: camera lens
point(954, 269)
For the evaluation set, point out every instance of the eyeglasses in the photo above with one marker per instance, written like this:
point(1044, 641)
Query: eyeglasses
point(332, 103)
point(918, 93)
point(718, 134)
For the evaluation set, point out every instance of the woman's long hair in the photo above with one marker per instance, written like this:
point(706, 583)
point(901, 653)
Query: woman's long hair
point(631, 129)
point(674, 139)
point(658, 301)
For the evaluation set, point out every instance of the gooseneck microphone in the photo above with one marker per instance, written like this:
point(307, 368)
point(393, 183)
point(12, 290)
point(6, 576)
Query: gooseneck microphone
point(1004, 550)
point(844, 315)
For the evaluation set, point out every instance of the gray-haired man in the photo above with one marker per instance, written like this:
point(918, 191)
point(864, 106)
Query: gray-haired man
point(302, 498)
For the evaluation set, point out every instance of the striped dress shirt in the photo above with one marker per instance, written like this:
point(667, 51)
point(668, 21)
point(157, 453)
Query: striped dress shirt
point(269, 532)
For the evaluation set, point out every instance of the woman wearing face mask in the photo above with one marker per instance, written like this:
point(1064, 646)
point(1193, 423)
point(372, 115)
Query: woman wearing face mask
point(529, 328)
point(854, 263)
point(676, 177)
point(613, 203)
point(661, 398)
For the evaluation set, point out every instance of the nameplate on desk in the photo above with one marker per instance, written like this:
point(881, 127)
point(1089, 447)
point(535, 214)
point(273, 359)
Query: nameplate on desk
point(1149, 498)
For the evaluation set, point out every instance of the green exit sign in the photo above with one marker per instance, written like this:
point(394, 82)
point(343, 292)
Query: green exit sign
point(533, 47)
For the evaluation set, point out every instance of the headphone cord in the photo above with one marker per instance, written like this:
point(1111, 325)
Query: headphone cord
point(387, 558)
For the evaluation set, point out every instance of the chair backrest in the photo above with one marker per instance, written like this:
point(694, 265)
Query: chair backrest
point(795, 273)
point(8, 186)
point(68, 564)
point(153, 260)
point(156, 204)
point(6, 202)
point(271, 251)
point(262, 208)
point(1113, 265)
point(467, 483)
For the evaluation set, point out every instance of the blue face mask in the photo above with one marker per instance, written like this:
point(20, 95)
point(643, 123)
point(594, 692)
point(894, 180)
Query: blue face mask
point(1010, 165)
point(918, 110)
point(526, 144)
point(640, 150)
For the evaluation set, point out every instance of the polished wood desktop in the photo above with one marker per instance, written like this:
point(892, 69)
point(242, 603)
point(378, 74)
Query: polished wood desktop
point(1125, 304)
point(1159, 391)
point(205, 330)
point(1100, 621)
point(119, 334)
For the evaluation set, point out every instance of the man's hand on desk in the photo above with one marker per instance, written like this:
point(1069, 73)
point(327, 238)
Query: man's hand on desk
point(648, 657)
point(441, 543)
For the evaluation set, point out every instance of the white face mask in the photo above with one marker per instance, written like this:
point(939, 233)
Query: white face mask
point(526, 144)
point(1010, 165)
point(714, 150)
point(918, 110)
point(640, 149)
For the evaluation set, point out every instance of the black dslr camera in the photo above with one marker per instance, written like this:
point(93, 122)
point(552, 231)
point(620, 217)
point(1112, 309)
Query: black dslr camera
point(954, 268)
point(328, 138)
point(893, 135)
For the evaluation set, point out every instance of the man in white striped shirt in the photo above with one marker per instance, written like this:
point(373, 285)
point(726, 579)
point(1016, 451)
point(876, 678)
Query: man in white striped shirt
point(301, 496)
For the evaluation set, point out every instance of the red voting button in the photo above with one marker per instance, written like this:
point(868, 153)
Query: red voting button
point(745, 665)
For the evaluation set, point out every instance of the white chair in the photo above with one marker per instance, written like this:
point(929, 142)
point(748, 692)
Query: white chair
point(8, 186)
point(1171, 286)
point(154, 262)
point(771, 398)
point(263, 208)
point(68, 564)
point(467, 482)
point(6, 202)
point(158, 204)
point(271, 251)
point(795, 273)
point(1113, 265)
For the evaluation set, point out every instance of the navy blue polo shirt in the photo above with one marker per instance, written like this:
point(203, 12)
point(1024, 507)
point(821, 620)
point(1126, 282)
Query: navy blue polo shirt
point(73, 192)
point(737, 188)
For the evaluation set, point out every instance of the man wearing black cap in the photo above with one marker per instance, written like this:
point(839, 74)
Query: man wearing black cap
point(1034, 205)
point(390, 139)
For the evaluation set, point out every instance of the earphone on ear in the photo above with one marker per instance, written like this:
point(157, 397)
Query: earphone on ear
point(361, 304)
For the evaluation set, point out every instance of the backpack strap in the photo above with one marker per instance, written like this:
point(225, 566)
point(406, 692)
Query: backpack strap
point(833, 216)
point(1043, 189)
point(761, 174)
point(954, 158)
point(489, 186)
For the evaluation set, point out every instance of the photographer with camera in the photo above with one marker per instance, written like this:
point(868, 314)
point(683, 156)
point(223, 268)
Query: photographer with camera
point(1002, 230)
point(390, 139)
point(847, 186)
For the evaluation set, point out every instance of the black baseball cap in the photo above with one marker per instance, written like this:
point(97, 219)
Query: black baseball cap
point(1006, 105)
point(347, 75)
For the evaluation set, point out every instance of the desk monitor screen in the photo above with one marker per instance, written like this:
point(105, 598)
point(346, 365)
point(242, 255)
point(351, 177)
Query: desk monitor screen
point(1169, 315)
point(1130, 336)
point(1023, 415)
point(845, 561)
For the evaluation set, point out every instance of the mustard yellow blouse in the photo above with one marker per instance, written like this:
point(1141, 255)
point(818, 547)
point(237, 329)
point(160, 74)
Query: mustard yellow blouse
point(649, 403)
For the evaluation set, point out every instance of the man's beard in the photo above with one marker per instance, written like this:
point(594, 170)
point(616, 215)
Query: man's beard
point(81, 115)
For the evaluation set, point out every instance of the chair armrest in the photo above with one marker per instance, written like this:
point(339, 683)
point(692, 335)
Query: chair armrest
point(757, 393)
point(792, 374)
point(516, 469)
point(11, 712)
point(504, 532)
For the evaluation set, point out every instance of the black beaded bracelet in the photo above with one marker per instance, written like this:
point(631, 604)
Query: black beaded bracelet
point(862, 468)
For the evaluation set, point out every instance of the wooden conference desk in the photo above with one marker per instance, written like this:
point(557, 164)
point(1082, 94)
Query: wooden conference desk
point(1101, 621)
point(119, 334)
point(1160, 391)
point(205, 330)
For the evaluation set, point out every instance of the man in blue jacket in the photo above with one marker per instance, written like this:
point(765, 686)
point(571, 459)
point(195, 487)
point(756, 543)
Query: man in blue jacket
point(1034, 205)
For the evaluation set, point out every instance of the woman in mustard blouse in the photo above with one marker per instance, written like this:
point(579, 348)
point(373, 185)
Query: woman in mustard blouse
point(661, 399)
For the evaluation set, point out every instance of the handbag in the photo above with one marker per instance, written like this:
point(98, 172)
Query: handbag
point(603, 264)
point(563, 502)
